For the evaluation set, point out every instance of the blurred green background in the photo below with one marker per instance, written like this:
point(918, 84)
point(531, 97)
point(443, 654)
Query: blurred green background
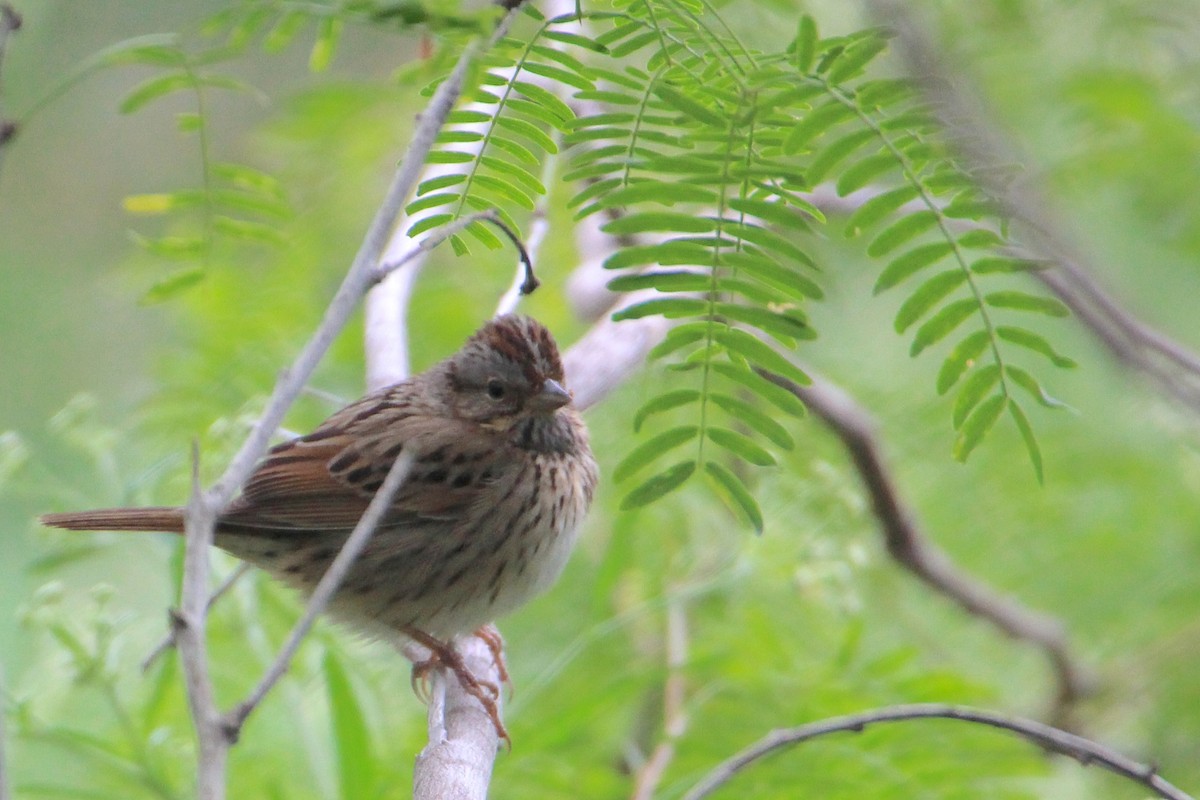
point(103, 394)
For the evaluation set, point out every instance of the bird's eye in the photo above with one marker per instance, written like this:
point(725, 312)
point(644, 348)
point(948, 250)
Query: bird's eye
point(495, 389)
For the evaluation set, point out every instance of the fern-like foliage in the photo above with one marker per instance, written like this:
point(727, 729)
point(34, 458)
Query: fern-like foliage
point(699, 152)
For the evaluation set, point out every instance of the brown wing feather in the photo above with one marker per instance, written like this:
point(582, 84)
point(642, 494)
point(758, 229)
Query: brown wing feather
point(325, 480)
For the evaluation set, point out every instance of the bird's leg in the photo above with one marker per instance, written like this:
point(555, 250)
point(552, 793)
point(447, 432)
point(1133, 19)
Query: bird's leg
point(444, 655)
point(490, 635)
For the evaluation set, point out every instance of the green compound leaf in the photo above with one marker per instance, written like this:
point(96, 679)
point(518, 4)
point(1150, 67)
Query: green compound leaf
point(661, 484)
point(738, 495)
point(652, 448)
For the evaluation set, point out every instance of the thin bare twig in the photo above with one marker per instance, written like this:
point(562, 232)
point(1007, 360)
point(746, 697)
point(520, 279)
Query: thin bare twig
point(328, 585)
point(914, 551)
point(168, 641)
point(675, 719)
point(1085, 751)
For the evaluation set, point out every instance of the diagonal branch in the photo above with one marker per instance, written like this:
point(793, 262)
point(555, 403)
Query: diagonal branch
point(1085, 751)
point(325, 590)
point(914, 551)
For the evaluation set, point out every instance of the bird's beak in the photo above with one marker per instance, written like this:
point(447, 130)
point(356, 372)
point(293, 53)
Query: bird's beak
point(552, 397)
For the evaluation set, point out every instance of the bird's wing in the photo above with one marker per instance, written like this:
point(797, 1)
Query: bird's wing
point(324, 481)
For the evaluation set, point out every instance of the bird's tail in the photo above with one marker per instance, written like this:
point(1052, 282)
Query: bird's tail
point(161, 518)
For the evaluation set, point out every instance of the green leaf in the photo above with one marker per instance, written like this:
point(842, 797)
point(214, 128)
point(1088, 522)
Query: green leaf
point(961, 358)
point(659, 485)
point(670, 281)
point(154, 88)
point(782, 326)
point(927, 295)
point(856, 57)
point(651, 221)
point(738, 495)
point(452, 156)
point(980, 239)
point(836, 152)
point(911, 262)
point(174, 284)
point(864, 171)
point(806, 43)
point(678, 337)
point(575, 39)
point(546, 99)
point(652, 448)
point(901, 231)
point(740, 445)
point(512, 147)
point(430, 201)
point(428, 224)
point(782, 214)
point(1035, 452)
point(778, 396)
point(942, 323)
point(669, 253)
point(284, 32)
point(977, 425)
point(878, 207)
point(746, 413)
point(973, 390)
point(686, 105)
point(506, 190)
point(351, 736)
point(559, 75)
point(1029, 339)
point(527, 129)
point(440, 182)
point(760, 354)
point(815, 123)
point(664, 402)
point(668, 193)
point(996, 264)
point(1031, 385)
point(1022, 301)
point(329, 32)
point(669, 307)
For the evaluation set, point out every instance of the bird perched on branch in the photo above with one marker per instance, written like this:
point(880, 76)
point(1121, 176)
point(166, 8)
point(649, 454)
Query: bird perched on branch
point(501, 477)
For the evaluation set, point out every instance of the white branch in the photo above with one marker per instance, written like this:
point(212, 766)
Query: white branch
point(457, 762)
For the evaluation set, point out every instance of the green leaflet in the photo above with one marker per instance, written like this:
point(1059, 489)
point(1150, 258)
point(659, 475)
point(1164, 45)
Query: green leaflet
point(978, 424)
point(652, 448)
point(737, 493)
point(659, 485)
point(741, 446)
